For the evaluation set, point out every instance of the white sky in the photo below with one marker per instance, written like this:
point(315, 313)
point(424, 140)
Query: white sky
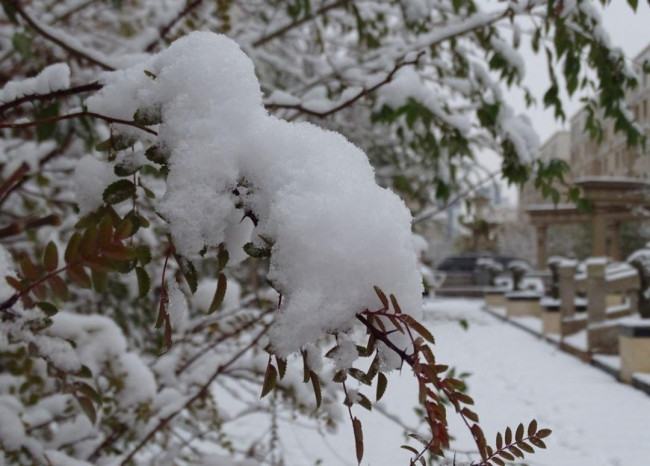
point(628, 30)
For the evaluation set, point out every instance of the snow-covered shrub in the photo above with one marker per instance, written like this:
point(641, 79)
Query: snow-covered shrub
point(178, 239)
point(518, 269)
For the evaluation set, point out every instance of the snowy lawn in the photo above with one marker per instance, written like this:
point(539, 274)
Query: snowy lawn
point(514, 378)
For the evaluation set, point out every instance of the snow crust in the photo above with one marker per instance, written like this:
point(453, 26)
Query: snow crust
point(334, 233)
point(53, 78)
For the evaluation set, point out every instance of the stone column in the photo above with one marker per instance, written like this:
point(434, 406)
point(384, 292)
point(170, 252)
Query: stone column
point(567, 288)
point(596, 289)
point(598, 235)
point(613, 241)
point(541, 247)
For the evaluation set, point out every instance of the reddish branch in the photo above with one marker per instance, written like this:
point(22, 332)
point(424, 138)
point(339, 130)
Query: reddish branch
point(69, 116)
point(37, 27)
point(51, 95)
point(362, 93)
point(12, 180)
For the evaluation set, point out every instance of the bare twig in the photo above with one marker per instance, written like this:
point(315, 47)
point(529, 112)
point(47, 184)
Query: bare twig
point(201, 392)
point(164, 30)
point(362, 93)
point(76, 115)
point(294, 24)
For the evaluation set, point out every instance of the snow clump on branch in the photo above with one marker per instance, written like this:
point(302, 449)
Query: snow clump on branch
point(333, 232)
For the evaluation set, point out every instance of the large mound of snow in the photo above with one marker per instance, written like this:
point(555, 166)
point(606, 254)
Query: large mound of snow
point(334, 232)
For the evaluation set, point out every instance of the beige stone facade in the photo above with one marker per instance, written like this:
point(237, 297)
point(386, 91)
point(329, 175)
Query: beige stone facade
point(612, 176)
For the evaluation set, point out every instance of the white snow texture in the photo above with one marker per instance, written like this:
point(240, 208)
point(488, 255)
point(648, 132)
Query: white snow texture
point(335, 232)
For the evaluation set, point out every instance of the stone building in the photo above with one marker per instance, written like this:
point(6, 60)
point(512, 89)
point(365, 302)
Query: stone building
point(615, 178)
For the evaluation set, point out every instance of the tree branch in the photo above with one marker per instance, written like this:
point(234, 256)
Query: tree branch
point(41, 30)
point(362, 93)
point(95, 86)
point(287, 27)
point(164, 30)
point(69, 116)
point(164, 421)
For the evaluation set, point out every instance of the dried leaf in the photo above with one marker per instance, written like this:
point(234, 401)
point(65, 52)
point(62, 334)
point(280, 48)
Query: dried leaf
point(532, 427)
point(270, 378)
point(220, 293)
point(382, 297)
point(358, 438)
point(144, 282)
point(520, 432)
point(508, 436)
point(543, 433)
point(393, 300)
point(315, 382)
point(418, 327)
point(382, 383)
point(282, 366)
point(537, 442)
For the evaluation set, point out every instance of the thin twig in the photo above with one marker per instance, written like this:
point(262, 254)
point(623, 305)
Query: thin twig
point(95, 86)
point(201, 392)
point(164, 30)
point(362, 93)
point(69, 116)
point(294, 24)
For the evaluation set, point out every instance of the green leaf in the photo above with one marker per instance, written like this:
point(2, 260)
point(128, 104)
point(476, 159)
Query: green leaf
point(21, 42)
point(100, 280)
point(118, 192)
point(143, 253)
point(88, 408)
point(144, 282)
point(255, 251)
point(219, 294)
point(382, 383)
point(9, 10)
point(51, 257)
point(270, 378)
point(148, 116)
point(48, 308)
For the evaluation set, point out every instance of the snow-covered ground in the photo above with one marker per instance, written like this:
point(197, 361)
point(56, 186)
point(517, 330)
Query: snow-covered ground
point(514, 378)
